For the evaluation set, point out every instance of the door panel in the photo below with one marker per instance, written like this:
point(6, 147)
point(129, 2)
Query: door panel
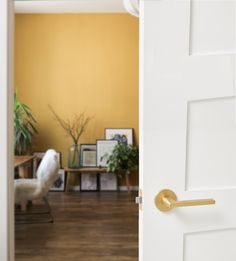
point(214, 33)
point(211, 139)
point(210, 245)
point(188, 130)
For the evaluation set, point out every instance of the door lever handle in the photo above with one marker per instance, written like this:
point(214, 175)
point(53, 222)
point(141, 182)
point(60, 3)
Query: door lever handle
point(166, 200)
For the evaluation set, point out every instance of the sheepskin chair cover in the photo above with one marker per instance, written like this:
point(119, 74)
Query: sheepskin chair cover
point(47, 173)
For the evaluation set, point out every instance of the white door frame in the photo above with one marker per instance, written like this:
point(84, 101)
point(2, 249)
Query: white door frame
point(6, 133)
point(7, 11)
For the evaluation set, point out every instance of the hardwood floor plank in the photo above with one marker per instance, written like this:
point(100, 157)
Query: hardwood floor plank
point(88, 226)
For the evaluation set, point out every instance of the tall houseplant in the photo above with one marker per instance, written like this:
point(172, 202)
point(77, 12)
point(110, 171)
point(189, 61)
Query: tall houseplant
point(74, 128)
point(24, 127)
point(123, 160)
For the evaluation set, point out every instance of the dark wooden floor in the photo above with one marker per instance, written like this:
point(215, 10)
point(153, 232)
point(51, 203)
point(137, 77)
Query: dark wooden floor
point(88, 226)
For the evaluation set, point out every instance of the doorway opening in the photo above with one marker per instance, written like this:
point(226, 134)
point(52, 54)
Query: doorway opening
point(72, 64)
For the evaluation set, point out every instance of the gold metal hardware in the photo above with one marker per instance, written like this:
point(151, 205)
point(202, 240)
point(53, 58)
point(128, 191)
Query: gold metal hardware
point(166, 200)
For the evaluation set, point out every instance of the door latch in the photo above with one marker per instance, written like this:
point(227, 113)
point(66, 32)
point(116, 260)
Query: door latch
point(139, 199)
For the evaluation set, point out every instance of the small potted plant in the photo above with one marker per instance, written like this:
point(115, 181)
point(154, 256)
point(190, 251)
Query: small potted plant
point(123, 160)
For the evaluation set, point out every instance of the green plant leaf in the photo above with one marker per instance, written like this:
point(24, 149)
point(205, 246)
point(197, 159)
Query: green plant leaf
point(24, 127)
point(124, 159)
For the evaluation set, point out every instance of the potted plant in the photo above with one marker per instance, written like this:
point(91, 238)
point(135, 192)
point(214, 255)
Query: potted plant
point(123, 160)
point(74, 128)
point(24, 127)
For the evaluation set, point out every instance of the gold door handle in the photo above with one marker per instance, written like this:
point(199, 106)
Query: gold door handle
point(166, 200)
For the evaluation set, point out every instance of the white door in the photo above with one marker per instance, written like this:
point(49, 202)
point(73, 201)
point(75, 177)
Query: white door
point(188, 129)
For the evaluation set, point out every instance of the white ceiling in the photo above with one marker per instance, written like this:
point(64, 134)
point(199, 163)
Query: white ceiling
point(69, 6)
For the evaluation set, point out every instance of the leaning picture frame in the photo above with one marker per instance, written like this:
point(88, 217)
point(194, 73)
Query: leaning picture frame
point(124, 135)
point(104, 150)
point(59, 184)
point(108, 182)
point(88, 155)
point(88, 182)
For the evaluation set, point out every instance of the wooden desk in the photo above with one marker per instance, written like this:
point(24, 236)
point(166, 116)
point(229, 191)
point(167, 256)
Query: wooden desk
point(22, 163)
point(91, 170)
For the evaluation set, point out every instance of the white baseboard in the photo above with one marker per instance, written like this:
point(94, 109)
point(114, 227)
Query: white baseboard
point(125, 188)
point(74, 188)
point(120, 188)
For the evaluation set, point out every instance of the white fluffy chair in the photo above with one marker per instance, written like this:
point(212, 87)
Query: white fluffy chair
point(33, 189)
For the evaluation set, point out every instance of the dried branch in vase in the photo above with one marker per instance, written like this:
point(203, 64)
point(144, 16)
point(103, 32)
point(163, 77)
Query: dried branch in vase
point(74, 127)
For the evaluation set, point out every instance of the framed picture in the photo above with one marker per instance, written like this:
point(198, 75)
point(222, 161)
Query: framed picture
point(38, 156)
point(59, 184)
point(108, 182)
point(104, 150)
point(88, 182)
point(121, 135)
point(88, 155)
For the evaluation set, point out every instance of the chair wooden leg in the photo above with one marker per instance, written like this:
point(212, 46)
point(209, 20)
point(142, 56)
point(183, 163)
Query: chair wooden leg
point(68, 181)
point(32, 215)
point(49, 212)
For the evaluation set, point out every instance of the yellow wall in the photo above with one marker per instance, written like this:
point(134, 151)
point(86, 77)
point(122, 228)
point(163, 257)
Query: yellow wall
point(78, 62)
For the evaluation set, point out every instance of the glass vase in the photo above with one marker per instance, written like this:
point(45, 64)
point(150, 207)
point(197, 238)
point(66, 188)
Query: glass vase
point(73, 159)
